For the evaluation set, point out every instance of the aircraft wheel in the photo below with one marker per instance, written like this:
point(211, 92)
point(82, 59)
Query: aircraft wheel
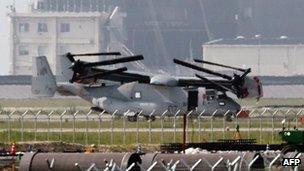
point(97, 109)
point(228, 117)
point(132, 118)
point(150, 118)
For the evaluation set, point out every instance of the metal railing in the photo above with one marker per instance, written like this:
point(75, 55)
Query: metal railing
point(115, 129)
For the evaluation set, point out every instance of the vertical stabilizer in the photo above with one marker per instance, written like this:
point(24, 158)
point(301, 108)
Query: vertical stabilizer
point(66, 73)
point(43, 81)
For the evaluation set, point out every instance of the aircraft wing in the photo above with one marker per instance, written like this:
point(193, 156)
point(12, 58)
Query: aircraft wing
point(196, 82)
point(130, 76)
point(125, 76)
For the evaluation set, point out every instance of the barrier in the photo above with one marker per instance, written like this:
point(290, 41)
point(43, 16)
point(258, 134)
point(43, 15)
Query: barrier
point(57, 125)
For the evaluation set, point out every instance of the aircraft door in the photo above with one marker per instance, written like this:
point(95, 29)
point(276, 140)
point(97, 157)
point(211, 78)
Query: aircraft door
point(192, 99)
point(201, 96)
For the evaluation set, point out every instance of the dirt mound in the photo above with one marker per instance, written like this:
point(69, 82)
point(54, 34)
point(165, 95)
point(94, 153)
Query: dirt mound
point(73, 147)
point(46, 146)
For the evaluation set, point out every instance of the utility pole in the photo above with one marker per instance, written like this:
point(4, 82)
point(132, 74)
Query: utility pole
point(258, 36)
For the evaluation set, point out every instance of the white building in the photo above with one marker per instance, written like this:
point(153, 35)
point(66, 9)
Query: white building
point(266, 57)
point(53, 34)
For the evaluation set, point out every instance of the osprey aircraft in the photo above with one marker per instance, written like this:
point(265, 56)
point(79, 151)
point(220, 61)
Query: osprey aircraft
point(130, 93)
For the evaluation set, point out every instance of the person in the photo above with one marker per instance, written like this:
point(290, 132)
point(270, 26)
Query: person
point(30, 148)
point(237, 134)
point(13, 149)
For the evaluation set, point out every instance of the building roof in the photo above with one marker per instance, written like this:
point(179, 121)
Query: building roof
point(258, 41)
point(56, 14)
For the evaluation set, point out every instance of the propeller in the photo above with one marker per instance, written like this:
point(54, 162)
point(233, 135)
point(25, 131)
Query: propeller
point(216, 64)
point(221, 87)
point(115, 61)
point(246, 71)
point(189, 65)
point(106, 73)
point(80, 68)
point(237, 81)
point(71, 56)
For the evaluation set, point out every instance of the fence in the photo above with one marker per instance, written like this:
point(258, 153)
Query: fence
point(83, 126)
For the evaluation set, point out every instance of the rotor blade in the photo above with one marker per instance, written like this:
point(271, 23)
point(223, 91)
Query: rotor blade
point(214, 83)
point(221, 65)
point(70, 57)
point(245, 73)
point(115, 61)
point(98, 54)
point(102, 74)
point(125, 76)
point(186, 64)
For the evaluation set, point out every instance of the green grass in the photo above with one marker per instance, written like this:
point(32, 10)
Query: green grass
point(29, 123)
point(130, 138)
point(271, 102)
point(44, 102)
point(71, 105)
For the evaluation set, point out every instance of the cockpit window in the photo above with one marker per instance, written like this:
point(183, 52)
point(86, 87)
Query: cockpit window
point(210, 97)
point(222, 103)
point(222, 96)
point(211, 94)
point(137, 95)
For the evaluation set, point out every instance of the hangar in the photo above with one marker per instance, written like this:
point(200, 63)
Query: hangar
point(281, 56)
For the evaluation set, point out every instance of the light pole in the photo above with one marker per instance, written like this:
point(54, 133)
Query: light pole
point(258, 37)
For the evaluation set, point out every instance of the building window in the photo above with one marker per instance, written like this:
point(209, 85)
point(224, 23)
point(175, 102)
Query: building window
point(24, 27)
point(64, 27)
point(137, 95)
point(42, 27)
point(23, 50)
point(42, 50)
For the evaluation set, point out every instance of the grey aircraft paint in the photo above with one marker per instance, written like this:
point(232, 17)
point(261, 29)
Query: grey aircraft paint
point(132, 97)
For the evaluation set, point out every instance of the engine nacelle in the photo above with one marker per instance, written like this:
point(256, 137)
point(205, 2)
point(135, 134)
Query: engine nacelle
point(252, 88)
point(164, 80)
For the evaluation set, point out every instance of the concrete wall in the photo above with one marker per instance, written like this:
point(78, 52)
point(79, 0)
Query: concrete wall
point(266, 60)
point(84, 36)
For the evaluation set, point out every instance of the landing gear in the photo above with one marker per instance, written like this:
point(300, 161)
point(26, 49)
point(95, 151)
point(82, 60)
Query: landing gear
point(228, 117)
point(135, 117)
point(97, 109)
point(132, 118)
point(150, 118)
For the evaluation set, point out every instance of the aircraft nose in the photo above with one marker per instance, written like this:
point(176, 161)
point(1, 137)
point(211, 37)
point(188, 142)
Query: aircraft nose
point(235, 107)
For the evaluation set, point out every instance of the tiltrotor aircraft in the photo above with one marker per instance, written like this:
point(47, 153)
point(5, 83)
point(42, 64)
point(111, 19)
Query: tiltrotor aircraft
point(131, 93)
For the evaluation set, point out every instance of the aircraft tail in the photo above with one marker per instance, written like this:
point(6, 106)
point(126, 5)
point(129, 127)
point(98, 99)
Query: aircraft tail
point(66, 73)
point(43, 81)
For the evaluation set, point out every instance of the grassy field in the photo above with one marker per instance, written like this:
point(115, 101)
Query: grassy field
point(167, 123)
point(44, 102)
point(127, 138)
point(118, 138)
point(271, 102)
point(130, 138)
